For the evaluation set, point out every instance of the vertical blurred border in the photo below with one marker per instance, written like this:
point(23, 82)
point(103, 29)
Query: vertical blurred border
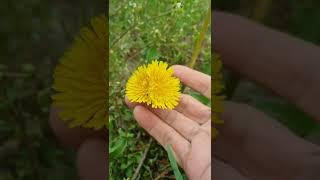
point(33, 36)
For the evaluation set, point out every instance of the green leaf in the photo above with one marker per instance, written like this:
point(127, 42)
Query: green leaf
point(173, 163)
point(200, 97)
point(206, 67)
point(118, 148)
point(152, 54)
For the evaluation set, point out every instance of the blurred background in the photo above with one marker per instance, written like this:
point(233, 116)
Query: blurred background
point(297, 18)
point(141, 31)
point(33, 36)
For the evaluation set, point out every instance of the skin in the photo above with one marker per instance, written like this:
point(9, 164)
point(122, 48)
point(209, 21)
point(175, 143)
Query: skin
point(92, 157)
point(187, 128)
point(252, 145)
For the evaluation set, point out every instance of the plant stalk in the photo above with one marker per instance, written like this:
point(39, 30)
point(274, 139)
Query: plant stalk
point(197, 48)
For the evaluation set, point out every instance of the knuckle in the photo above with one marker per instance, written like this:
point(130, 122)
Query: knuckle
point(172, 117)
point(165, 114)
point(205, 115)
point(167, 137)
point(185, 101)
point(194, 131)
point(206, 90)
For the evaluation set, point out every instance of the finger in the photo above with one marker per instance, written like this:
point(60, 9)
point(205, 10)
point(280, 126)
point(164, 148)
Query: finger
point(183, 125)
point(130, 104)
point(252, 142)
point(194, 79)
point(222, 171)
point(92, 160)
point(188, 106)
point(163, 133)
point(198, 164)
point(193, 109)
point(287, 65)
point(71, 136)
point(207, 127)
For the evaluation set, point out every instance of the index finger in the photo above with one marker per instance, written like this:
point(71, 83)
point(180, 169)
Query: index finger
point(194, 79)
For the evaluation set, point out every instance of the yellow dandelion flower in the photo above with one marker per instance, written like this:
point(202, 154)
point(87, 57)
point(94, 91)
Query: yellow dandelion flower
point(154, 85)
point(80, 82)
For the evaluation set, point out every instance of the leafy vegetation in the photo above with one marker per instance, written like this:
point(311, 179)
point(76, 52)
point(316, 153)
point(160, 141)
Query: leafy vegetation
point(141, 31)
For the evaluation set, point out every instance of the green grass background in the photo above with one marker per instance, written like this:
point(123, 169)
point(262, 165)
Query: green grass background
point(141, 31)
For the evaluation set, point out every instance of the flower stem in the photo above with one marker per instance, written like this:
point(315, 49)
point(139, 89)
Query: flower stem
point(197, 48)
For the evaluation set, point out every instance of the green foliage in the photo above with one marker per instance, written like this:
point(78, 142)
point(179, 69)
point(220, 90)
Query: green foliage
point(141, 31)
point(151, 54)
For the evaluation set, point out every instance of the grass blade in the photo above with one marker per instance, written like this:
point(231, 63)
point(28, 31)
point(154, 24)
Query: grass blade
point(173, 163)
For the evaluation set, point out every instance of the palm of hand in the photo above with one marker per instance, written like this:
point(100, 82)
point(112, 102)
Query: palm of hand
point(187, 128)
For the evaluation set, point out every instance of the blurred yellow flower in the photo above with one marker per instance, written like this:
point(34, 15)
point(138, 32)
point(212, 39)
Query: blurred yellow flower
point(154, 85)
point(80, 80)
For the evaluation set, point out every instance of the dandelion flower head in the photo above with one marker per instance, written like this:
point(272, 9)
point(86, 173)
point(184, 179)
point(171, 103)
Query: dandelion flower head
point(155, 85)
point(80, 81)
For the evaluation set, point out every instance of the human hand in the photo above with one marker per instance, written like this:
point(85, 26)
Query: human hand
point(187, 128)
point(92, 154)
point(252, 145)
